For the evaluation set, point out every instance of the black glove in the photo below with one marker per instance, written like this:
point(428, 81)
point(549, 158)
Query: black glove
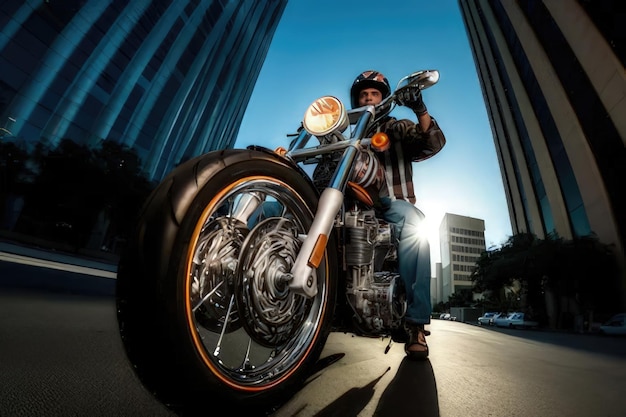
point(412, 98)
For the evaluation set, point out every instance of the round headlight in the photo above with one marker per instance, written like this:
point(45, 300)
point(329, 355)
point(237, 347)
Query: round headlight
point(325, 115)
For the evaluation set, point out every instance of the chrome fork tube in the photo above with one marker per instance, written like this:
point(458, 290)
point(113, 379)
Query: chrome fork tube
point(246, 206)
point(302, 276)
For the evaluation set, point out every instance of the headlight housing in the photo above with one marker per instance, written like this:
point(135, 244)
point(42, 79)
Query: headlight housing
point(325, 115)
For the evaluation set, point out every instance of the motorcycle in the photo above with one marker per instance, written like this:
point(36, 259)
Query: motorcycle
point(243, 262)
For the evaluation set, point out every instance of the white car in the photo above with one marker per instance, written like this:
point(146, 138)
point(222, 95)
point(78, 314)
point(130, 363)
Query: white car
point(616, 325)
point(487, 318)
point(500, 319)
point(515, 320)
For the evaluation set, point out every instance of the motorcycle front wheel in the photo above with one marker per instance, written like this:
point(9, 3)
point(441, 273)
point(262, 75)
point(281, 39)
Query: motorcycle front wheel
point(204, 310)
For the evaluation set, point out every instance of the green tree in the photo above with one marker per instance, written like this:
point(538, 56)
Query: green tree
point(461, 298)
point(125, 188)
point(14, 176)
point(582, 270)
point(585, 271)
point(499, 268)
point(64, 199)
point(76, 188)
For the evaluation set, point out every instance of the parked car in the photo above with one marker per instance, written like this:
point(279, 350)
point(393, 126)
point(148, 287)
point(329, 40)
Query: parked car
point(515, 320)
point(498, 316)
point(447, 316)
point(487, 318)
point(501, 319)
point(616, 325)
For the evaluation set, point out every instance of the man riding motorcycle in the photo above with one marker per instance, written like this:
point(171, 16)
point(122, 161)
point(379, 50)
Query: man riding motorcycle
point(410, 142)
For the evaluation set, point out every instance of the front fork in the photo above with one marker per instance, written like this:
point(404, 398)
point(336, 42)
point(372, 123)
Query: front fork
point(302, 277)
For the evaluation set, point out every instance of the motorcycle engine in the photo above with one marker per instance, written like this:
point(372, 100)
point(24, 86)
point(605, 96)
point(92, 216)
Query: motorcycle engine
point(376, 296)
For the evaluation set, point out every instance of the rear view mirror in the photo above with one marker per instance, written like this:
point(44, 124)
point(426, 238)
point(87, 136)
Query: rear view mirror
point(421, 79)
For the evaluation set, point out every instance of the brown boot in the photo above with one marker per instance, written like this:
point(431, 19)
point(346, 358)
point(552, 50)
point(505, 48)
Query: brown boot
point(416, 348)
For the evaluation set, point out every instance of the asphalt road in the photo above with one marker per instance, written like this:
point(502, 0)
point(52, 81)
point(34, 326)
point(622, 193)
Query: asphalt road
point(61, 355)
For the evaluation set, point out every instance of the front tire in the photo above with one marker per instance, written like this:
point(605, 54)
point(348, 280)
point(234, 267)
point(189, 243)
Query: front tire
point(203, 311)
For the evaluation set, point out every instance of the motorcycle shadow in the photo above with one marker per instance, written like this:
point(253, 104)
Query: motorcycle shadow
point(412, 391)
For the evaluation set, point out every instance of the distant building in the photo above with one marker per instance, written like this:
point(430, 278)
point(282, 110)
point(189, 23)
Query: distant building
point(169, 79)
point(461, 242)
point(436, 286)
point(552, 75)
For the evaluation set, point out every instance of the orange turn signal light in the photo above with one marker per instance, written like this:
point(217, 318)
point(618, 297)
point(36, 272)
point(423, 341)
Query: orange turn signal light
point(318, 251)
point(281, 151)
point(380, 142)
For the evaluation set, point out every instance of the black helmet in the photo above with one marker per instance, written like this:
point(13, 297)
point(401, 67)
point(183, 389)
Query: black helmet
point(369, 79)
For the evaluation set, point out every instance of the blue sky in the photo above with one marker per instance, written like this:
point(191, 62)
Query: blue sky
point(320, 46)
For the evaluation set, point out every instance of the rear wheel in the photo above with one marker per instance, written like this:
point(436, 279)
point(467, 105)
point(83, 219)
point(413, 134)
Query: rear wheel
point(205, 312)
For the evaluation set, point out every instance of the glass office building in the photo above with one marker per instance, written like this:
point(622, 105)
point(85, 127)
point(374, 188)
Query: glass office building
point(168, 80)
point(552, 74)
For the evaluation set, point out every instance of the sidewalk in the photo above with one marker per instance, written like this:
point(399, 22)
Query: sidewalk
point(12, 252)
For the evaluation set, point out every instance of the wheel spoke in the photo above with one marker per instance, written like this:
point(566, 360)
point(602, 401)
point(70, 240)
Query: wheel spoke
point(219, 342)
point(206, 297)
point(246, 360)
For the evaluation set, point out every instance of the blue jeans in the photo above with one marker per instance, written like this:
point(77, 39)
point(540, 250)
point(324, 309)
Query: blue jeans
point(413, 257)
